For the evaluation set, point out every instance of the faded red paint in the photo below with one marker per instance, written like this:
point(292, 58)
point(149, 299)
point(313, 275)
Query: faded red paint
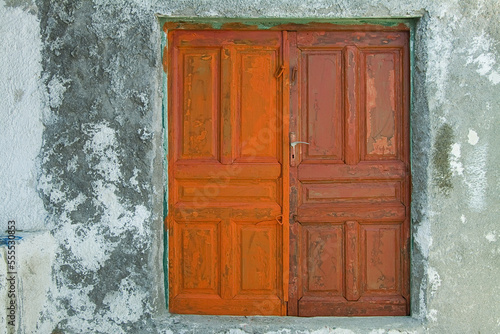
point(348, 253)
point(254, 223)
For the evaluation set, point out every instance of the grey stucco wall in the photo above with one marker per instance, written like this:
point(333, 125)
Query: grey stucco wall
point(88, 183)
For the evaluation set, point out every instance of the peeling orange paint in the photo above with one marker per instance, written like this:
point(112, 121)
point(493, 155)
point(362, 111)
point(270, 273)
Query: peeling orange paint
point(226, 176)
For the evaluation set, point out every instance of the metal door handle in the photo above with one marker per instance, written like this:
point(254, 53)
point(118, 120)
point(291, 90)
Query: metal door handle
point(298, 142)
point(293, 157)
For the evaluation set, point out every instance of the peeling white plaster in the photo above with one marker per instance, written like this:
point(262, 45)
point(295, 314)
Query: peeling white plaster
point(475, 177)
point(422, 309)
point(116, 216)
point(473, 137)
point(236, 331)
point(80, 300)
point(133, 179)
point(102, 146)
point(281, 331)
point(327, 330)
point(126, 304)
point(20, 118)
point(423, 238)
point(72, 205)
point(72, 164)
point(481, 55)
point(494, 77)
point(455, 164)
point(87, 244)
point(145, 134)
point(432, 315)
point(56, 88)
point(491, 236)
point(377, 331)
point(434, 280)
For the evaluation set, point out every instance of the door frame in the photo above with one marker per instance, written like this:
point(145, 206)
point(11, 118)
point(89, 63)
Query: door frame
point(284, 25)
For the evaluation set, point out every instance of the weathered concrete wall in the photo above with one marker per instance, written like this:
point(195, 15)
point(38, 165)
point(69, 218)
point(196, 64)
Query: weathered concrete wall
point(88, 74)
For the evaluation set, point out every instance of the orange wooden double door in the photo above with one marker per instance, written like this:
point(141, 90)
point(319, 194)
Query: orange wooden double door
point(289, 172)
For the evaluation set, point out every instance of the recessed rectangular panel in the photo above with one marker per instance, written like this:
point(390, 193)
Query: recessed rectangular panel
point(381, 104)
point(199, 257)
point(322, 102)
point(337, 192)
point(257, 105)
point(335, 212)
point(392, 169)
point(381, 259)
point(322, 259)
point(256, 257)
point(200, 103)
point(227, 190)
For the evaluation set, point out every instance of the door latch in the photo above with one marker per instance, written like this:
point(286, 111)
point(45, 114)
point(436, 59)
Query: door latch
point(293, 143)
point(298, 142)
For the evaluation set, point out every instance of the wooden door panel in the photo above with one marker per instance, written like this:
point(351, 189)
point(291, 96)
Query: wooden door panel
point(326, 212)
point(341, 39)
point(353, 177)
point(338, 306)
point(227, 173)
point(386, 170)
point(381, 107)
point(198, 257)
point(344, 192)
point(222, 192)
point(258, 305)
point(322, 105)
point(381, 265)
point(225, 177)
point(322, 259)
point(198, 94)
point(255, 260)
point(257, 114)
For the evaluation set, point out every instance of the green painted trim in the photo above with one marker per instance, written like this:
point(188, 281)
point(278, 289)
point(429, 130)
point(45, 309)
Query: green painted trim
point(164, 121)
point(268, 23)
